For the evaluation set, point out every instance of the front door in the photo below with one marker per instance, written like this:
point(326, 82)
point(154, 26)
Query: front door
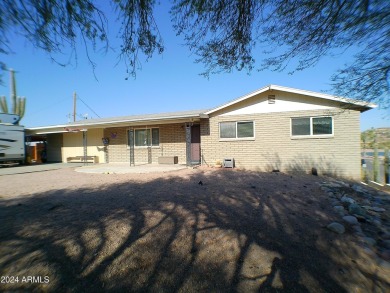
point(195, 144)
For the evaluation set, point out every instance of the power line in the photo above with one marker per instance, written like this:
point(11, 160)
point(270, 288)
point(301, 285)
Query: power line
point(88, 106)
point(49, 106)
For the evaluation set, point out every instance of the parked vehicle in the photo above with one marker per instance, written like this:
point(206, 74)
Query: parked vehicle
point(9, 118)
point(12, 143)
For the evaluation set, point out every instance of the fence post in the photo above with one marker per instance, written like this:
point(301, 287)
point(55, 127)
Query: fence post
point(386, 164)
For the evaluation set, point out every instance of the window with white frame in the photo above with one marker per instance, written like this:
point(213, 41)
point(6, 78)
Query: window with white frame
point(147, 137)
point(239, 130)
point(311, 126)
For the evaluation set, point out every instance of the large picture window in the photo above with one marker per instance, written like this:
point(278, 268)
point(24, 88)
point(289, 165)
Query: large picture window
point(147, 137)
point(240, 129)
point(312, 126)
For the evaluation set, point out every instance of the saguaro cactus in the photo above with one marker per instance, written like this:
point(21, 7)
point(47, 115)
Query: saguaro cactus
point(13, 90)
point(18, 103)
point(3, 104)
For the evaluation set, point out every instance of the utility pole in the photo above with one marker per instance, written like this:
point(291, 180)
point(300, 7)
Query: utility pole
point(74, 107)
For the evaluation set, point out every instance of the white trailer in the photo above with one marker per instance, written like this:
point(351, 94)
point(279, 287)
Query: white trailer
point(9, 118)
point(12, 143)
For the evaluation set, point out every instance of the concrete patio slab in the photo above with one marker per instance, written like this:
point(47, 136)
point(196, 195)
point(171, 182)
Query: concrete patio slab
point(119, 168)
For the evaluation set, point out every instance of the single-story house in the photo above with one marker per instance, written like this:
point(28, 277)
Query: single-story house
point(272, 128)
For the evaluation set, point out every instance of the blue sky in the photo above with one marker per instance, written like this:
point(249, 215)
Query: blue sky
point(168, 82)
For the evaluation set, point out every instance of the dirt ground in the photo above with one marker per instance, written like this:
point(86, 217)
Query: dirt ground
point(238, 231)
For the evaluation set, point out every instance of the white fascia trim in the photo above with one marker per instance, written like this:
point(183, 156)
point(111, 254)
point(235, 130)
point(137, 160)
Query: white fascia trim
point(295, 91)
point(116, 122)
point(322, 96)
point(247, 96)
point(60, 131)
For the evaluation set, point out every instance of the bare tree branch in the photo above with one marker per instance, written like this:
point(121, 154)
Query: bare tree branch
point(303, 31)
point(224, 35)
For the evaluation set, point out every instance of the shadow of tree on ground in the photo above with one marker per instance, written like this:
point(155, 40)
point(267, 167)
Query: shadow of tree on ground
point(173, 235)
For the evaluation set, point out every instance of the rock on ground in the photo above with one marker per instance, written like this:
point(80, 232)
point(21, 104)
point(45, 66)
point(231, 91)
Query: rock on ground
point(336, 227)
point(351, 220)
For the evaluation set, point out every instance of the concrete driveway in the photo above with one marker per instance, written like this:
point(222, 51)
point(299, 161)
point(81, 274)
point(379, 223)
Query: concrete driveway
point(21, 169)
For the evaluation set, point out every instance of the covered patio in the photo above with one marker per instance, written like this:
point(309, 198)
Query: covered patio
point(166, 138)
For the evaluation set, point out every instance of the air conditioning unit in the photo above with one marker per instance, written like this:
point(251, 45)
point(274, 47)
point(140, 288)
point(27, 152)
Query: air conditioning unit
point(228, 163)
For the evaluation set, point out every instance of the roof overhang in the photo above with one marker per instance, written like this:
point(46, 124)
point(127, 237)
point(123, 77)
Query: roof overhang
point(128, 121)
point(185, 116)
point(359, 105)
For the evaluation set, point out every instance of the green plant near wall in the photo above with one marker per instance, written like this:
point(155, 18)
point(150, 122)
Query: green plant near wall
point(18, 103)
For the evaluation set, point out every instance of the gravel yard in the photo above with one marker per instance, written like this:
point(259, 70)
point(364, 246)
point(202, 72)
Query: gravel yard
point(193, 230)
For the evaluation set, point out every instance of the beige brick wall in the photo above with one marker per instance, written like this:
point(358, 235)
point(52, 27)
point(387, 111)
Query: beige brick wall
point(273, 147)
point(117, 144)
point(172, 143)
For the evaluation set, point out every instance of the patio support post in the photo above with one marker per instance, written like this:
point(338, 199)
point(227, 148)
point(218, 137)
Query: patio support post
point(131, 147)
point(85, 147)
point(106, 154)
point(188, 144)
point(150, 155)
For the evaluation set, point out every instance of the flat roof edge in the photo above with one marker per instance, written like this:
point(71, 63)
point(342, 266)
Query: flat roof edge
point(61, 128)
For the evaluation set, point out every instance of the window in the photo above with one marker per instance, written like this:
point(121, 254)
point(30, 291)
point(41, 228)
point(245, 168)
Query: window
point(227, 129)
point(300, 126)
point(155, 137)
point(322, 125)
point(242, 129)
point(312, 126)
point(147, 137)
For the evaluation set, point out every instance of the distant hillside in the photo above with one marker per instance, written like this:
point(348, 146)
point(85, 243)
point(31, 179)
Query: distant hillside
point(382, 136)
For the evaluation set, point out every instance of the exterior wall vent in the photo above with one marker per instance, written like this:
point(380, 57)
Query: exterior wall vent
point(228, 163)
point(271, 99)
